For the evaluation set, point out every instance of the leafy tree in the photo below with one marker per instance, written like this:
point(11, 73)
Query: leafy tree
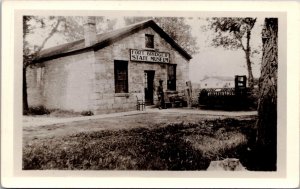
point(266, 138)
point(234, 33)
point(175, 27)
point(30, 23)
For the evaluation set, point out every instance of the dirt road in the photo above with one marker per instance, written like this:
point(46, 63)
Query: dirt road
point(39, 127)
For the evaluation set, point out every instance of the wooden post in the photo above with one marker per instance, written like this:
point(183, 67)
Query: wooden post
point(188, 93)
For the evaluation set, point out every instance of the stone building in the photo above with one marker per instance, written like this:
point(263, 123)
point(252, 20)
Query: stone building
point(216, 82)
point(107, 72)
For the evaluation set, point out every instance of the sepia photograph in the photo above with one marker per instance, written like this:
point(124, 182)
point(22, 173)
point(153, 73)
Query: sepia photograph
point(149, 94)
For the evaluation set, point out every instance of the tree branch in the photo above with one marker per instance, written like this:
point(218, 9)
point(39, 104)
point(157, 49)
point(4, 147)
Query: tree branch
point(248, 40)
point(253, 23)
point(54, 29)
point(240, 40)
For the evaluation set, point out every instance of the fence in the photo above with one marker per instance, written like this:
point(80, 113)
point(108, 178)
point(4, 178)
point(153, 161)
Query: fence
point(223, 98)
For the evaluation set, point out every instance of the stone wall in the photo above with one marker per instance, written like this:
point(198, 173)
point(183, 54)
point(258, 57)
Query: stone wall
point(65, 83)
point(35, 86)
point(86, 81)
point(105, 98)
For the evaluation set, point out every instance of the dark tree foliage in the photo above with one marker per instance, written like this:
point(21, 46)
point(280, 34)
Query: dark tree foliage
point(175, 27)
point(234, 33)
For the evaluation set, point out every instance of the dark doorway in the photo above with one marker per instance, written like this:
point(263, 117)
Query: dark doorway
point(149, 86)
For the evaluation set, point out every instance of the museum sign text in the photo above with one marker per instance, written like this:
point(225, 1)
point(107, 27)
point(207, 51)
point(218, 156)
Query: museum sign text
point(149, 56)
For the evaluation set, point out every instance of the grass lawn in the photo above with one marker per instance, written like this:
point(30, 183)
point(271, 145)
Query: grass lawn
point(138, 142)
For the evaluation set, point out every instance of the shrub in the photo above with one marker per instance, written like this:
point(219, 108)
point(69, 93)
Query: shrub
point(87, 113)
point(253, 98)
point(64, 113)
point(38, 110)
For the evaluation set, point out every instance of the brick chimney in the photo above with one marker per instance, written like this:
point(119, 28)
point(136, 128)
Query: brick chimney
point(90, 31)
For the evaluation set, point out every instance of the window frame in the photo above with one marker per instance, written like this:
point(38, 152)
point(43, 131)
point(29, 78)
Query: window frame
point(149, 41)
point(123, 66)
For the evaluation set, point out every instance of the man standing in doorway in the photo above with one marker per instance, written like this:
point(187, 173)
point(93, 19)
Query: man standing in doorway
point(160, 94)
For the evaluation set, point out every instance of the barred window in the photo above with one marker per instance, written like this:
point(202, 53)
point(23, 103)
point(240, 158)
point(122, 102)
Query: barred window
point(149, 41)
point(121, 76)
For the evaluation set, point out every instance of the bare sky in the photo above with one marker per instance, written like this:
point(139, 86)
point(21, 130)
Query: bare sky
point(210, 61)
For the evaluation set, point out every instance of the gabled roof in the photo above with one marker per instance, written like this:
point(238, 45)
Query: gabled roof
point(106, 39)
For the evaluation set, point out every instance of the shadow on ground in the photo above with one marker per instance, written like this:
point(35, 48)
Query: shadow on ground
point(174, 146)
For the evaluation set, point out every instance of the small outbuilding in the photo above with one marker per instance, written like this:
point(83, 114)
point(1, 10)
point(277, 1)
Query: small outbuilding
point(108, 72)
point(217, 82)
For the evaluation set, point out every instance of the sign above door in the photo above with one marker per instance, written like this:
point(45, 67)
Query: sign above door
point(149, 56)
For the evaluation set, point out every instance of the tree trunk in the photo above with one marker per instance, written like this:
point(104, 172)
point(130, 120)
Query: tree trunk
point(266, 126)
point(249, 66)
point(25, 99)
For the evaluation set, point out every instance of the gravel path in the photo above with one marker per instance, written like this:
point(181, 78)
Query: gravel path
point(30, 121)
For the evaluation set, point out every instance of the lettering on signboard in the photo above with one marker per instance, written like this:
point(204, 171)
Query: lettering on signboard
point(149, 56)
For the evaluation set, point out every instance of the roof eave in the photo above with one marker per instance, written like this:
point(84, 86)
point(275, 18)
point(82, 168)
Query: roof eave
point(144, 25)
point(120, 36)
point(46, 58)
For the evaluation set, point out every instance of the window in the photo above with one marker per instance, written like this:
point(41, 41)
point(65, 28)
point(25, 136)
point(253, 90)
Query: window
point(121, 76)
point(149, 41)
point(171, 77)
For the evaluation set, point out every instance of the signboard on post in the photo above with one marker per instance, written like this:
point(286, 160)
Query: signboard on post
point(149, 56)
